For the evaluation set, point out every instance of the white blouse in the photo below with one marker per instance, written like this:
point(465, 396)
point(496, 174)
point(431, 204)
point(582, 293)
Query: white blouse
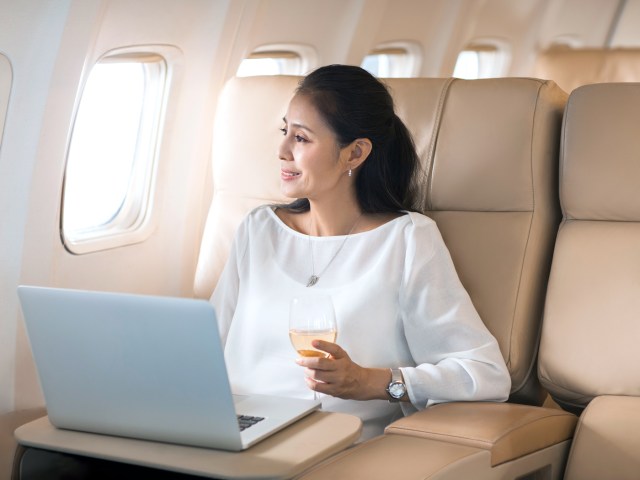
point(398, 303)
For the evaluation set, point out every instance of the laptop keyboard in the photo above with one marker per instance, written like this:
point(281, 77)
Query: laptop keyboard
point(246, 421)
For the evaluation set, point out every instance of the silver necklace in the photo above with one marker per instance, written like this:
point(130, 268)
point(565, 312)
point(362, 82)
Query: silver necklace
point(313, 279)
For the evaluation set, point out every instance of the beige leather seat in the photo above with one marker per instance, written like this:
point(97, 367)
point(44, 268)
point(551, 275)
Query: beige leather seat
point(573, 67)
point(245, 164)
point(589, 349)
point(489, 150)
point(492, 189)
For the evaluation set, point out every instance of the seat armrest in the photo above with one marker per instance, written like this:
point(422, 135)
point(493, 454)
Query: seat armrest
point(607, 440)
point(506, 430)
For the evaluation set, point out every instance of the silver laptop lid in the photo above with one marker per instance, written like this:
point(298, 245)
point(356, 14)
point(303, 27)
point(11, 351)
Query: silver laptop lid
point(131, 365)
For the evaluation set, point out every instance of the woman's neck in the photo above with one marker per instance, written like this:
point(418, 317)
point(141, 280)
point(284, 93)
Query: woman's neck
point(331, 219)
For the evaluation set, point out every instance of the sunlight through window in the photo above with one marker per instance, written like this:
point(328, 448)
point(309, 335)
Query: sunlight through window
point(393, 60)
point(481, 61)
point(111, 157)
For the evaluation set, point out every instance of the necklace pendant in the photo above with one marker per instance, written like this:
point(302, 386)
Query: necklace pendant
point(313, 279)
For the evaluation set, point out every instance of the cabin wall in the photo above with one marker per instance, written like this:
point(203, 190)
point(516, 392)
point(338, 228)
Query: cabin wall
point(30, 34)
point(579, 23)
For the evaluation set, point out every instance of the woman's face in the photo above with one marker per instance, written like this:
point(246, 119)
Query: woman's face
point(312, 164)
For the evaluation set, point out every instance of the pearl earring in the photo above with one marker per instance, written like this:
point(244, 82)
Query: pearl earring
point(349, 172)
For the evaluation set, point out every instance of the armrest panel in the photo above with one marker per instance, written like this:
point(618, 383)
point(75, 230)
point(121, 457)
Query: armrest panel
point(607, 440)
point(507, 431)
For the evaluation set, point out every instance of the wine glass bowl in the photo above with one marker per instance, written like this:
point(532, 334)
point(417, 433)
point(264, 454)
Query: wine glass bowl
point(311, 317)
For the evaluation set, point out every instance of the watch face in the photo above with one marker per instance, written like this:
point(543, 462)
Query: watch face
point(397, 390)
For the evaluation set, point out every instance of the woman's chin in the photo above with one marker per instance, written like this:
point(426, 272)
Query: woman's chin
point(289, 192)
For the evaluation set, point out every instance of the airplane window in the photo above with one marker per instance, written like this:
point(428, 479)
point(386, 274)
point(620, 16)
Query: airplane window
point(393, 60)
point(480, 61)
point(111, 156)
point(271, 63)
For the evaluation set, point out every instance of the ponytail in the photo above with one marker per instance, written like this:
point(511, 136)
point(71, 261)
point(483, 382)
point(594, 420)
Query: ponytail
point(386, 181)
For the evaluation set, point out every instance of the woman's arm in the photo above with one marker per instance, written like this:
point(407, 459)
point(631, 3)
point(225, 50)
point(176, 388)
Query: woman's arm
point(456, 358)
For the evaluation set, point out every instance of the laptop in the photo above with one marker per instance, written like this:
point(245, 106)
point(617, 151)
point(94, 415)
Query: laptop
point(145, 367)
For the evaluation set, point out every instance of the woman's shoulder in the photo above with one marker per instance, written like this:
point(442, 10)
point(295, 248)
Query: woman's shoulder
point(260, 212)
point(418, 222)
point(256, 219)
point(266, 217)
point(422, 236)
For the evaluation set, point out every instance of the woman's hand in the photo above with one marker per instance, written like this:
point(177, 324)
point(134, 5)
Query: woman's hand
point(339, 376)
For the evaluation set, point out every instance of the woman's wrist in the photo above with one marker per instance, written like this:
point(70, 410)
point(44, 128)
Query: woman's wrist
point(378, 380)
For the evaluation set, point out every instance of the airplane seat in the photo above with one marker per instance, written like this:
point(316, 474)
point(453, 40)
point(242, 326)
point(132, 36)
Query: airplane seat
point(494, 198)
point(481, 191)
point(573, 67)
point(245, 164)
point(492, 187)
point(588, 353)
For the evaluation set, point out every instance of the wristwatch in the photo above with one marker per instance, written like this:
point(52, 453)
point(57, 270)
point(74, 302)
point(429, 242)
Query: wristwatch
point(396, 389)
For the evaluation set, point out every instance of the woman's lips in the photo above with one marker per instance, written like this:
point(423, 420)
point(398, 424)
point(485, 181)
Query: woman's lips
point(288, 175)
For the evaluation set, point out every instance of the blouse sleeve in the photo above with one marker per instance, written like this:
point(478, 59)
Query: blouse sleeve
point(225, 295)
point(457, 358)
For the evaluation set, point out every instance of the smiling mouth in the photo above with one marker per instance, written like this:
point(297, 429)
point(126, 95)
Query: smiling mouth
point(286, 174)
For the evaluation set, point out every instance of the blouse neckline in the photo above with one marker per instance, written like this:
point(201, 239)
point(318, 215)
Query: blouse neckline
point(284, 226)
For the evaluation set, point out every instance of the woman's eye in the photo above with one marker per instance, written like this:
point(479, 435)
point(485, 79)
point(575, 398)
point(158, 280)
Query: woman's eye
point(298, 138)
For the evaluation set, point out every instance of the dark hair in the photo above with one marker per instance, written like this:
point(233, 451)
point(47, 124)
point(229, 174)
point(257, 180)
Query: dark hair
point(355, 104)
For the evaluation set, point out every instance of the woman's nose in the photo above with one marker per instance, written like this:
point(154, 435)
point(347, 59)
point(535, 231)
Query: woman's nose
point(284, 152)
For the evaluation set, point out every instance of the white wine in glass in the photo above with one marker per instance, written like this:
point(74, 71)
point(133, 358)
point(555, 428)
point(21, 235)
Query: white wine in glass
point(311, 317)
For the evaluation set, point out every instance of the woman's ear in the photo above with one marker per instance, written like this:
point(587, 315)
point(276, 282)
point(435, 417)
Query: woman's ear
point(360, 149)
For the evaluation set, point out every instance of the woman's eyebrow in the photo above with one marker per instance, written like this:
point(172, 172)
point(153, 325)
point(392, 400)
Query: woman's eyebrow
point(299, 125)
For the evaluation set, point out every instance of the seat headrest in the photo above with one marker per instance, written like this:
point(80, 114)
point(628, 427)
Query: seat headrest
point(490, 132)
point(601, 139)
point(245, 140)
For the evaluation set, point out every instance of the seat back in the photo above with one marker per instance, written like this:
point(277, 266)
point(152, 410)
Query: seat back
point(245, 165)
point(489, 152)
point(589, 344)
point(571, 68)
point(492, 189)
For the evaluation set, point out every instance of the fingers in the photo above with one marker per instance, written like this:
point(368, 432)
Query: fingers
point(335, 375)
point(323, 370)
point(332, 349)
point(319, 387)
point(322, 363)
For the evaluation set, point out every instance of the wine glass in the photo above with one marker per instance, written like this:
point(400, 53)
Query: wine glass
point(311, 317)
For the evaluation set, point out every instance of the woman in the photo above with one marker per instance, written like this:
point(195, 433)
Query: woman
point(408, 334)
